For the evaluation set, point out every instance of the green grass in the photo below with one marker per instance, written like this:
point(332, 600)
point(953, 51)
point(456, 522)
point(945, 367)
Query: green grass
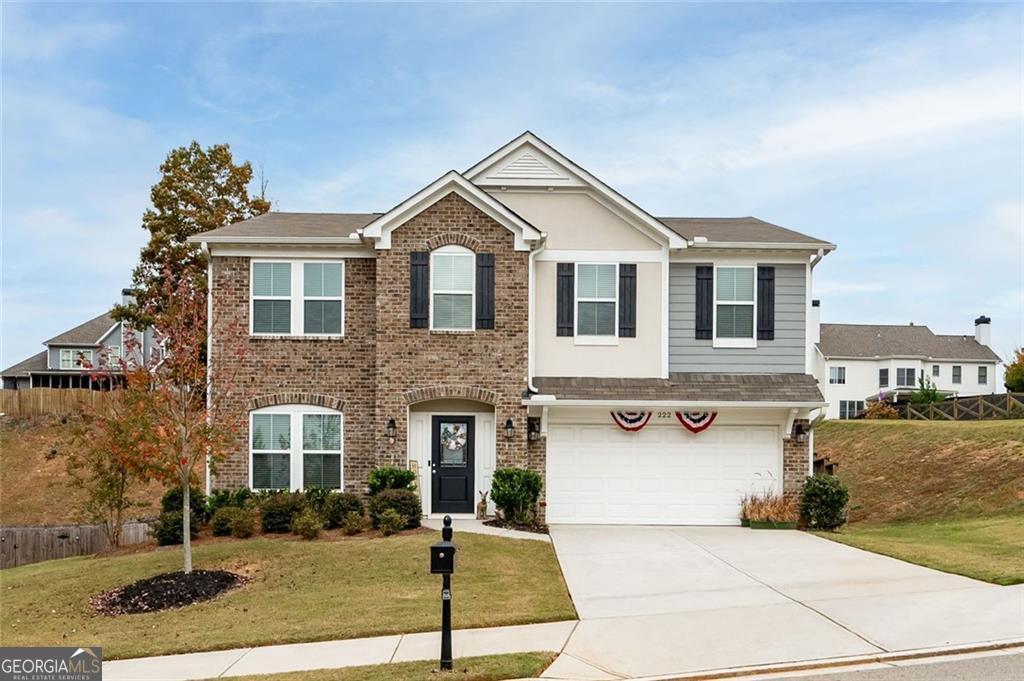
point(989, 549)
point(301, 591)
point(485, 668)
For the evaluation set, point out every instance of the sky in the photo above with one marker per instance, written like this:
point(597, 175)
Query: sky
point(893, 130)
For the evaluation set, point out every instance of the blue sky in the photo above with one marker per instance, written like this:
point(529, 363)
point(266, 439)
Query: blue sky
point(892, 130)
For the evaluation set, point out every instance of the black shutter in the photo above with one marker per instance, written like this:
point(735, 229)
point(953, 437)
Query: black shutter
point(765, 303)
point(627, 301)
point(705, 302)
point(566, 293)
point(485, 290)
point(419, 290)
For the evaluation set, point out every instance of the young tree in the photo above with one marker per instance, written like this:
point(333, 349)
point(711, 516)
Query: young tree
point(926, 392)
point(1014, 378)
point(199, 190)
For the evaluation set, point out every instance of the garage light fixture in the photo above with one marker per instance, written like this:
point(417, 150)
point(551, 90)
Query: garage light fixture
point(391, 431)
point(509, 428)
point(533, 428)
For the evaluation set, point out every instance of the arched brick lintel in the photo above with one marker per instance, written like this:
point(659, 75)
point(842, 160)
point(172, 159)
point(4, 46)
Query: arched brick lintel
point(453, 239)
point(439, 392)
point(312, 399)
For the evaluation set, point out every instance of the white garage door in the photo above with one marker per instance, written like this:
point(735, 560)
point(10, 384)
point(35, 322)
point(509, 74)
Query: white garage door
point(662, 475)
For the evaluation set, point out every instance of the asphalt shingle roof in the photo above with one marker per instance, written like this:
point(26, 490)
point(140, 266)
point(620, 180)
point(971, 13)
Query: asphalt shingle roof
point(295, 225)
point(879, 340)
point(696, 387)
point(88, 333)
point(742, 230)
point(36, 362)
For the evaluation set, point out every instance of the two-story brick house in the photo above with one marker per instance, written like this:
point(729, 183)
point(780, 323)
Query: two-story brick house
point(522, 313)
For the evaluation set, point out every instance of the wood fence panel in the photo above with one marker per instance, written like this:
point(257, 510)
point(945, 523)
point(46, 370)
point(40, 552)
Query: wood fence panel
point(25, 545)
point(977, 408)
point(58, 401)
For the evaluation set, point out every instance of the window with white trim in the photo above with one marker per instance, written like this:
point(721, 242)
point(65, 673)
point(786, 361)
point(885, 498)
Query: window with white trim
point(298, 298)
point(850, 409)
point(982, 375)
point(452, 289)
point(71, 358)
point(883, 378)
point(935, 370)
point(837, 375)
point(906, 377)
point(957, 372)
point(734, 306)
point(295, 447)
point(597, 299)
point(113, 355)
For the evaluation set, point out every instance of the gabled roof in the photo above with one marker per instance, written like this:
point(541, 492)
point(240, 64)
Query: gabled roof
point(451, 182)
point(278, 227)
point(89, 333)
point(911, 340)
point(36, 362)
point(528, 160)
point(682, 387)
point(744, 230)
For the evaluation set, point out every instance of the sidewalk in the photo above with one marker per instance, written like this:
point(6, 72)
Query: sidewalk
point(478, 527)
point(527, 638)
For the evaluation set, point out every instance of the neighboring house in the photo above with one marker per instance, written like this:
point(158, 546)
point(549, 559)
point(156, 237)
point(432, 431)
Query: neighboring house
point(497, 318)
point(64, 362)
point(856, 363)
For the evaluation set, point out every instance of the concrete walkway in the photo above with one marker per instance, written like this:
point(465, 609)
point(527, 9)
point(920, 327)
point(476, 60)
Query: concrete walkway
point(679, 600)
point(478, 527)
point(333, 654)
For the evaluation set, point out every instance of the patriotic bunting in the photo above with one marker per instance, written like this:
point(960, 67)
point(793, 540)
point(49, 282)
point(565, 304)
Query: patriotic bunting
point(631, 421)
point(696, 421)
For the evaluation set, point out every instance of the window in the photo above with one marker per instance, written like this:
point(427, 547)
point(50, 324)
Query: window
point(75, 359)
point(734, 307)
point(312, 457)
point(298, 298)
point(905, 377)
point(956, 374)
point(935, 370)
point(837, 375)
point(321, 298)
point(597, 287)
point(113, 355)
point(849, 409)
point(982, 375)
point(271, 297)
point(883, 378)
point(452, 275)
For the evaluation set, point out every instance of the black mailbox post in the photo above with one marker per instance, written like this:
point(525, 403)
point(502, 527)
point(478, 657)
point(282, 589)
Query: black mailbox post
point(442, 562)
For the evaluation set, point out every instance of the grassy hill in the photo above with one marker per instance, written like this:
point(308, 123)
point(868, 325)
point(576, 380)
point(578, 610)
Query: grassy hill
point(33, 482)
point(927, 470)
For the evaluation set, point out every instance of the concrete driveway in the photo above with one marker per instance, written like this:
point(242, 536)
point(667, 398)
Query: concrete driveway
point(672, 600)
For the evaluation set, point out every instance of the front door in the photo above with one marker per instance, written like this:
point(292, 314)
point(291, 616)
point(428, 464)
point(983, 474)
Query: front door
point(451, 464)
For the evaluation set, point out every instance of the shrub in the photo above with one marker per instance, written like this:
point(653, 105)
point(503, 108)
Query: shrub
point(391, 521)
point(403, 501)
point(222, 520)
point(881, 410)
point(389, 477)
point(171, 501)
point(337, 506)
point(243, 525)
point(226, 498)
point(167, 528)
point(278, 510)
point(316, 498)
point(823, 502)
point(772, 508)
point(354, 523)
point(307, 524)
point(515, 492)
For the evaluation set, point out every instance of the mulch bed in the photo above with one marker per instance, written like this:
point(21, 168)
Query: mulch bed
point(509, 525)
point(169, 590)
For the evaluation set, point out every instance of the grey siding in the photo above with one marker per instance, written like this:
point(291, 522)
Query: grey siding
point(785, 354)
point(54, 353)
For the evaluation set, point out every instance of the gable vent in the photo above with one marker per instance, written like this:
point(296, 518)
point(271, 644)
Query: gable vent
point(528, 167)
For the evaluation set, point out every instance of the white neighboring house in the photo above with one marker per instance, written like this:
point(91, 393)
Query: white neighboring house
point(856, 363)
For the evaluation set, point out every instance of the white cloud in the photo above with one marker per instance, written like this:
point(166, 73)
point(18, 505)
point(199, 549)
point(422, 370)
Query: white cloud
point(25, 38)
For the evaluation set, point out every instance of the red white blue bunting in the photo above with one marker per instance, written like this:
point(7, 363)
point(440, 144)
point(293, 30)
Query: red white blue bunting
point(631, 421)
point(696, 421)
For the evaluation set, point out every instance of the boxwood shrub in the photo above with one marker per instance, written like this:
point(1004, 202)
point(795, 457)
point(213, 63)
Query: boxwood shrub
point(167, 528)
point(403, 501)
point(223, 519)
point(389, 477)
point(277, 511)
point(515, 492)
point(823, 502)
point(171, 501)
point(337, 506)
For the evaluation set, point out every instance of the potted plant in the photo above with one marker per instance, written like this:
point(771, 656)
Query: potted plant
point(774, 512)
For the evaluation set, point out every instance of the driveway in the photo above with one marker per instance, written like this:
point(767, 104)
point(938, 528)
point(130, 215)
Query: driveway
point(672, 600)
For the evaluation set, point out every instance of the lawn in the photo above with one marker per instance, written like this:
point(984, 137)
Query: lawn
point(485, 668)
point(301, 591)
point(990, 549)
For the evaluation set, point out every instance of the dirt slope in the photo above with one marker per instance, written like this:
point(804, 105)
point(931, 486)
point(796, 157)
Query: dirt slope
point(922, 470)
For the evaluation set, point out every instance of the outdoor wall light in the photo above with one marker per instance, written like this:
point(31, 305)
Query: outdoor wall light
point(801, 433)
point(509, 428)
point(533, 428)
point(391, 431)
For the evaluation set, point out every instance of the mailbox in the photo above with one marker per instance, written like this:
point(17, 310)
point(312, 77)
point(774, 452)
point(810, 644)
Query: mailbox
point(442, 558)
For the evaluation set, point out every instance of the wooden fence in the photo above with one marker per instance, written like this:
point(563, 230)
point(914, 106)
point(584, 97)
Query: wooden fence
point(60, 401)
point(979, 408)
point(32, 544)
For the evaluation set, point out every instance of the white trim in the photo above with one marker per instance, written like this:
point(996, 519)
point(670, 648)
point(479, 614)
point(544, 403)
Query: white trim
point(594, 339)
point(296, 297)
point(555, 255)
point(717, 342)
point(209, 355)
point(665, 291)
point(380, 229)
point(462, 252)
point(481, 473)
point(742, 258)
point(75, 351)
point(763, 246)
point(295, 449)
point(269, 239)
point(809, 345)
point(551, 401)
point(299, 253)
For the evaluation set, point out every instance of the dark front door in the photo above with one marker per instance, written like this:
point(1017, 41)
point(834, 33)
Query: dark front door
point(451, 464)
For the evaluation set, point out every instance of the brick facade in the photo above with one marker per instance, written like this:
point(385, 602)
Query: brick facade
point(796, 465)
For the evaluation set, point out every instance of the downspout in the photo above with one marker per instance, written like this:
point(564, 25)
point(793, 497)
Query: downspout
point(530, 326)
point(209, 351)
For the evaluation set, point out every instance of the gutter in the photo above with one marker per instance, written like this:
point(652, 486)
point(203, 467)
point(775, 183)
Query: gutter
point(531, 313)
point(209, 353)
point(551, 401)
point(821, 248)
